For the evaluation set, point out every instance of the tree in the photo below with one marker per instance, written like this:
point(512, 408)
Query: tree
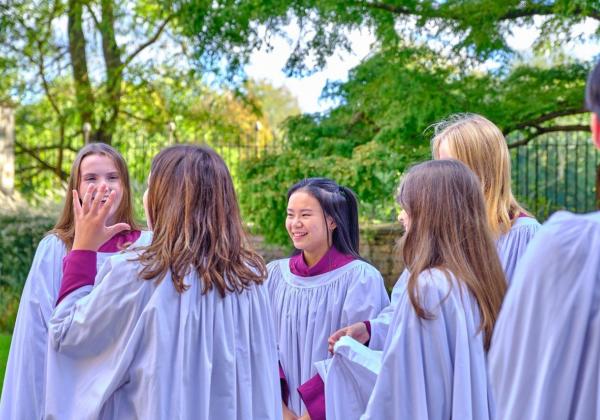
point(383, 125)
point(99, 50)
point(472, 28)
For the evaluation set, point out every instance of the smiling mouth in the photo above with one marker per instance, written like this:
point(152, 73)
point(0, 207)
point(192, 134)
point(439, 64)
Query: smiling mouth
point(297, 235)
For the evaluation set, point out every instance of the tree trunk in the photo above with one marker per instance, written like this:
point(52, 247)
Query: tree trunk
point(83, 88)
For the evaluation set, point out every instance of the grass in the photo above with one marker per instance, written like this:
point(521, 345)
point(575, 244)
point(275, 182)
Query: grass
point(4, 347)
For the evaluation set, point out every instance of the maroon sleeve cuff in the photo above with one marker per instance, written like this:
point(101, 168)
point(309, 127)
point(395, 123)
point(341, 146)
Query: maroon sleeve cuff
point(312, 393)
point(79, 269)
point(285, 388)
point(368, 325)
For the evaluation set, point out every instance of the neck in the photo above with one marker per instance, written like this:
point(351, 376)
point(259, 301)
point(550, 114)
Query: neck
point(313, 257)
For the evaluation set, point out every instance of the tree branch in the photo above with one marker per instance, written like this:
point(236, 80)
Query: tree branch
point(58, 171)
point(544, 118)
point(149, 42)
point(553, 129)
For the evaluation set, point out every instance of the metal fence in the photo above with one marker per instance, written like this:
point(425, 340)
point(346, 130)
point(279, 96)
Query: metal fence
point(556, 171)
point(553, 172)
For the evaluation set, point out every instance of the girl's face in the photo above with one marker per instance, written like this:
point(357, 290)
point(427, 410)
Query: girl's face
point(404, 218)
point(98, 169)
point(444, 150)
point(306, 224)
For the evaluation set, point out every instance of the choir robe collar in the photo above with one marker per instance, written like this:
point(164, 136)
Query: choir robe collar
point(332, 260)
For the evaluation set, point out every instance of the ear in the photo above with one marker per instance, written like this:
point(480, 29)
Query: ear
point(595, 126)
point(331, 224)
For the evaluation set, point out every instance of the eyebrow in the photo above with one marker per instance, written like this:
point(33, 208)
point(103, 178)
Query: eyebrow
point(95, 174)
point(300, 211)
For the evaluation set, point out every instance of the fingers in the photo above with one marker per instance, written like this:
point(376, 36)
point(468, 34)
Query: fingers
point(76, 204)
point(119, 227)
point(87, 198)
point(335, 337)
point(97, 199)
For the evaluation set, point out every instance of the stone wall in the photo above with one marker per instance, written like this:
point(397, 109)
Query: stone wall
point(378, 245)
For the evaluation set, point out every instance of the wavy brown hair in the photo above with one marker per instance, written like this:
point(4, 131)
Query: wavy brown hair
point(479, 143)
point(197, 225)
point(449, 231)
point(65, 227)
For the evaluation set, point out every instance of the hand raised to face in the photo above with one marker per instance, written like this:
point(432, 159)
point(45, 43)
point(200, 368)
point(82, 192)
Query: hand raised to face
point(91, 215)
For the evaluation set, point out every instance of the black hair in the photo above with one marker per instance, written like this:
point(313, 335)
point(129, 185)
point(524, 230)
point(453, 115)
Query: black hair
point(339, 203)
point(592, 90)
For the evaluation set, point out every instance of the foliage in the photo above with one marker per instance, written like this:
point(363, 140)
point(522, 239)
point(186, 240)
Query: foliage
point(4, 348)
point(381, 126)
point(19, 236)
point(473, 29)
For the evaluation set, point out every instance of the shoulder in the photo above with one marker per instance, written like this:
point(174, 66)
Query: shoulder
point(276, 265)
point(525, 224)
point(363, 270)
point(567, 231)
point(51, 248)
point(52, 241)
point(145, 238)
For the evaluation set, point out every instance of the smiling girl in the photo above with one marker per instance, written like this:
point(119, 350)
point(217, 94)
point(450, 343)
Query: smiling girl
point(324, 285)
point(24, 391)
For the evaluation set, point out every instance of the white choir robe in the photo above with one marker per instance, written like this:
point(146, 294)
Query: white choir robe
point(512, 245)
point(434, 369)
point(23, 389)
point(429, 369)
point(132, 349)
point(544, 359)
point(307, 310)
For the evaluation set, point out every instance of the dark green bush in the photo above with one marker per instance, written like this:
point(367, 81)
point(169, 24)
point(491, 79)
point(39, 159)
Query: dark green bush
point(20, 234)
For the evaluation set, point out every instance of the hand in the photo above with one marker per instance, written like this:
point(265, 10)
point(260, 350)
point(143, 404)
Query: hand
point(287, 413)
point(306, 416)
point(90, 219)
point(357, 331)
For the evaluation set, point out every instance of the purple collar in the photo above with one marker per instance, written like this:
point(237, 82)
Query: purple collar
point(331, 260)
point(120, 241)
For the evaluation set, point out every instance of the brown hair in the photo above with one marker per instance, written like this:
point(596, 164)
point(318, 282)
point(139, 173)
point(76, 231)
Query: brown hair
point(449, 231)
point(65, 227)
point(197, 225)
point(477, 142)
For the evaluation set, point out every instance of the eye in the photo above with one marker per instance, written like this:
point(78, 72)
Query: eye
point(89, 178)
point(113, 178)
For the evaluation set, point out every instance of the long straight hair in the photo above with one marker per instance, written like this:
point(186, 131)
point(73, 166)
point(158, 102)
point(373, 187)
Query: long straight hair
point(477, 142)
point(449, 231)
point(197, 225)
point(339, 203)
point(65, 226)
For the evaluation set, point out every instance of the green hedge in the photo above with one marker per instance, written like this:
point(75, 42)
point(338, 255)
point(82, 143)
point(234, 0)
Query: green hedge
point(19, 236)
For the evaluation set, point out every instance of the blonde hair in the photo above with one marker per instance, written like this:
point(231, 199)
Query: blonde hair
point(477, 142)
point(197, 223)
point(449, 231)
point(65, 227)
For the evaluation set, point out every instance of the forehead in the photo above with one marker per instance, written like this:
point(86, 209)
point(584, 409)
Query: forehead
point(97, 163)
point(303, 200)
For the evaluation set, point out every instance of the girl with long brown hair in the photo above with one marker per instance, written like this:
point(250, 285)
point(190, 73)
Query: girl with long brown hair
point(445, 306)
point(23, 390)
point(478, 143)
point(434, 359)
point(180, 328)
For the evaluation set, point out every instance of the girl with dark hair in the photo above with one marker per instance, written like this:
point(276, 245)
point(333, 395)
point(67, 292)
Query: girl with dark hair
point(324, 285)
point(179, 329)
point(24, 392)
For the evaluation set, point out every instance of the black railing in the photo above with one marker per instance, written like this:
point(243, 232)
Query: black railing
point(556, 171)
